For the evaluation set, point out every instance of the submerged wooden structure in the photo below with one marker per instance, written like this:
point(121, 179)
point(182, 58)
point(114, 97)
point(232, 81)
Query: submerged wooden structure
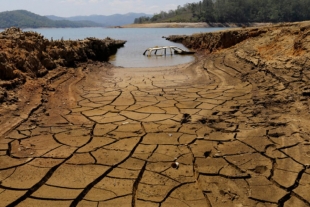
point(163, 49)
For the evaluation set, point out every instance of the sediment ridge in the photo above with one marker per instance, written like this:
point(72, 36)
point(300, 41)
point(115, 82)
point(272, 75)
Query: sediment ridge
point(29, 63)
point(29, 55)
point(281, 51)
point(224, 39)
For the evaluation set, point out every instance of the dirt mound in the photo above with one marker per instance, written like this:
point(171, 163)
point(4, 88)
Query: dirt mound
point(224, 39)
point(29, 55)
point(214, 41)
point(280, 51)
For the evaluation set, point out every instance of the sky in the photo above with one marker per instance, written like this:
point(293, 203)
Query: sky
point(68, 8)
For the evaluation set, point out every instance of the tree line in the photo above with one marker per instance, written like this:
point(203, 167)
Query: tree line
point(236, 11)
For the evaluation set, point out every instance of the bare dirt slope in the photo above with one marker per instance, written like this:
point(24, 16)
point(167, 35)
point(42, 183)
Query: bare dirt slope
point(230, 129)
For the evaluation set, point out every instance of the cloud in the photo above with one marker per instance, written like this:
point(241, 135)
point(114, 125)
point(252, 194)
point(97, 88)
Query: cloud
point(149, 7)
point(81, 2)
point(126, 5)
point(95, 1)
point(77, 2)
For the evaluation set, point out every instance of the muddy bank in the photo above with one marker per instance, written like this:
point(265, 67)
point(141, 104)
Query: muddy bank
point(217, 40)
point(275, 60)
point(30, 64)
point(27, 55)
point(225, 39)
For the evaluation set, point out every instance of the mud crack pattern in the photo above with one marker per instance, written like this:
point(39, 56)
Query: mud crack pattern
point(113, 138)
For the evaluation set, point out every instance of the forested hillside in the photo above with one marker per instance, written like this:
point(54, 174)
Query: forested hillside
point(238, 11)
point(26, 19)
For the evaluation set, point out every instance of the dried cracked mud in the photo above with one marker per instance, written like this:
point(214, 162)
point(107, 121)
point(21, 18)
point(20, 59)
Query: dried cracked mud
point(198, 134)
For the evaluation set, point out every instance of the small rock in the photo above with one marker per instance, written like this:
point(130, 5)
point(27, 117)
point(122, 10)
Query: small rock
point(207, 153)
point(51, 89)
point(33, 120)
point(217, 155)
point(175, 165)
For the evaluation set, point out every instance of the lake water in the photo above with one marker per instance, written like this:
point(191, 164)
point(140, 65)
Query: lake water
point(138, 40)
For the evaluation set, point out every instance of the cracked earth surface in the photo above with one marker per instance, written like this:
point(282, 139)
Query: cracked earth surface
point(111, 137)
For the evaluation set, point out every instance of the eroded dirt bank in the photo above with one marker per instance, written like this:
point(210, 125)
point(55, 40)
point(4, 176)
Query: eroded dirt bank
point(29, 62)
point(230, 129)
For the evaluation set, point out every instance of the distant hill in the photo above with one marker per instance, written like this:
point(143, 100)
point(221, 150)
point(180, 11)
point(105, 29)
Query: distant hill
point(110, 20)
point(26, 19)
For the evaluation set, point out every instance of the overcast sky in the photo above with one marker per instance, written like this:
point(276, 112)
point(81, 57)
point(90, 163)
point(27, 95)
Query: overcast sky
point(67, 8)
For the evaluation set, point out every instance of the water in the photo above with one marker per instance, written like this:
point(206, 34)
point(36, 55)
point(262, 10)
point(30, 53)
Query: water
point(138, 40)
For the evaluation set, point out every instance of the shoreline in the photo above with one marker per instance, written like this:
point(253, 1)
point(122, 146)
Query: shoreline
point(23, 28)
point(192, 25)
point(164, 25)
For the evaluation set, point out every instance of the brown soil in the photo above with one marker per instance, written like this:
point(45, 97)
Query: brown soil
point(230, 129)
